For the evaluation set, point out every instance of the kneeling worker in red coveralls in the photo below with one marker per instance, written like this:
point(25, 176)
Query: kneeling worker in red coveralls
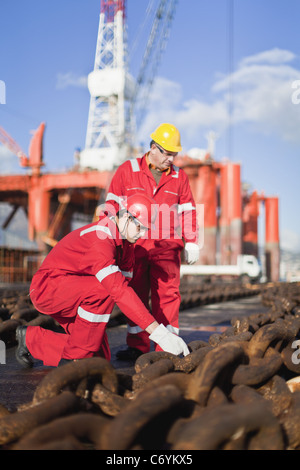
point(79, 282)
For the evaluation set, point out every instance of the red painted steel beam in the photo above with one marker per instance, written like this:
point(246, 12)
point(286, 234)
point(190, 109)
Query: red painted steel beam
point(51, 181)
point(205, 193)
point(38, 187)
point(250, 224)
point(38, 212)
point(35, 189)
point(272, 249)
point(272, 219)
point(231, 213)
point(71, 179)
point(203, 178)
point(14, 183)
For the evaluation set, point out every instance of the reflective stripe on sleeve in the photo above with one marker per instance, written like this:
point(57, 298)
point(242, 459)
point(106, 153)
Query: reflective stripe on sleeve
point(127, 273)
point(93, 317)
point(104, 272)
point(114, 197)
point(96, 228)
point(134, 330)
point(185, 207)
point(134, 165)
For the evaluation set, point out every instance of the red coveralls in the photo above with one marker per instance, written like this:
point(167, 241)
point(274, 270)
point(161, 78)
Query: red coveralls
point(157, 255)
point(78, 284)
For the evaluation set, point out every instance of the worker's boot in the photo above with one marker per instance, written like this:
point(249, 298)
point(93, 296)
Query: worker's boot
point(23, 356)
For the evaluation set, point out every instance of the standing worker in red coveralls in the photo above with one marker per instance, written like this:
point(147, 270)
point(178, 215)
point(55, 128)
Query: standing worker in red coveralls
point(79, 282)
point(157, 255)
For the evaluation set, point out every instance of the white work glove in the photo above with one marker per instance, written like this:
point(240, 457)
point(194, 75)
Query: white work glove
point(191, 253)
point(168, 341)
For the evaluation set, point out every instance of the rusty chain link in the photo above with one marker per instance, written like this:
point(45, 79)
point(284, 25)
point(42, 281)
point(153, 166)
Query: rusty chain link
point(197, 402)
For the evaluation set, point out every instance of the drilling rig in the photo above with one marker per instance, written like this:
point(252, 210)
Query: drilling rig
point(111, 88)
point(117, 103)
point(51, 201)
point(117, 100)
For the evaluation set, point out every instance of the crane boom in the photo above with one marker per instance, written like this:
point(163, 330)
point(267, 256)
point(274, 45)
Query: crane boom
point(35, 149)
point(10, 143)
point(155, 47)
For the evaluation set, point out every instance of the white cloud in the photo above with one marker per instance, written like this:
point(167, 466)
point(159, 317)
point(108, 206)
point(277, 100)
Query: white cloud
point(272, 56)
point(166, 94)
point(65, 80)
point(9, 163)
point(290, 241)
point(260, 90)
point(262, 94)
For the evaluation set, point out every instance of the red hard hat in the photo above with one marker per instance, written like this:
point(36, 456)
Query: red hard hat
point(143, 208)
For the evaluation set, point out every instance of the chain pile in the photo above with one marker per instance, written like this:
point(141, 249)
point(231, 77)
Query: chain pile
point(17, 309)
point(194, 292)
point(238, 391)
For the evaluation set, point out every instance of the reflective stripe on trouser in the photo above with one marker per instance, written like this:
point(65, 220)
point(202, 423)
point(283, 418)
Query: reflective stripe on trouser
point(157, 269)
point(76, 306)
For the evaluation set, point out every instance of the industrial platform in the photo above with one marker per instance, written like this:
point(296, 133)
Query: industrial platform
point(17, 385)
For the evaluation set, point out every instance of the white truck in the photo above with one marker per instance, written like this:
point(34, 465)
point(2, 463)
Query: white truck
point(247, 268)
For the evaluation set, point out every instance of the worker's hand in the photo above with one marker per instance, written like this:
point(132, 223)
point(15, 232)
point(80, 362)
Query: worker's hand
point(191, 253)
point(168, 341)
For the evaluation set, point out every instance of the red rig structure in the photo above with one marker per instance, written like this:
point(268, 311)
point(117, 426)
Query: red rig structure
point(50, 200)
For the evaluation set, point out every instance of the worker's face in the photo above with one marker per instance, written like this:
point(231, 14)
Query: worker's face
point(131, 229)
point(161, 158)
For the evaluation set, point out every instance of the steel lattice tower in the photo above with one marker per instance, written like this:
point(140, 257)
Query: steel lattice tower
point(111, 88)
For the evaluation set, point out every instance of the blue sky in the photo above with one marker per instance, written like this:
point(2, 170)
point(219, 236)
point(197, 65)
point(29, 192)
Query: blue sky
point(47, 49)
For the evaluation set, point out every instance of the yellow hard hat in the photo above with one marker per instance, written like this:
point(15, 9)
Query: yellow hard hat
point(168, 137)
